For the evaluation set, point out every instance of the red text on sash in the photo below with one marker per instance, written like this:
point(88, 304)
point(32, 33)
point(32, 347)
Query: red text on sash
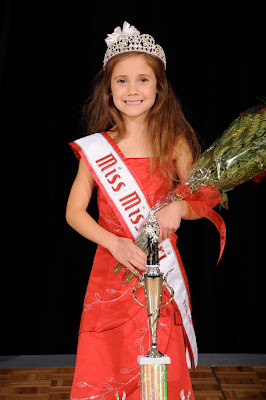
point(112, 177)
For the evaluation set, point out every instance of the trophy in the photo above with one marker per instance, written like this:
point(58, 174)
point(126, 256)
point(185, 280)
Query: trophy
point(153, 366)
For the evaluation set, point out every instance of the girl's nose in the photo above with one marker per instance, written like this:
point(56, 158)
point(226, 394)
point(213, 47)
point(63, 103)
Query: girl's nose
point(132, 88)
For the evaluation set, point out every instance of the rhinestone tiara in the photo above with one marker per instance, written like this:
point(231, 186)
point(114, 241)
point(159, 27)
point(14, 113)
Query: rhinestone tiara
point(130, 39)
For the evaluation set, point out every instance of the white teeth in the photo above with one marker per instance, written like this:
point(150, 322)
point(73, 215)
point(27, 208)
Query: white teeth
point(133, 102)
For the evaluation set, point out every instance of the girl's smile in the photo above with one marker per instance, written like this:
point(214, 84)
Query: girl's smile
point(133, 103)
point(133, 87)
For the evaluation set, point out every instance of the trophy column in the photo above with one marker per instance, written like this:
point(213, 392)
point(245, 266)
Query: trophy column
point(153, 366)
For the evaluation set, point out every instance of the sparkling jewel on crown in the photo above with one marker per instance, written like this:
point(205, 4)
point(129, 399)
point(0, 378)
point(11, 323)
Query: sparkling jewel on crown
point(130, 39)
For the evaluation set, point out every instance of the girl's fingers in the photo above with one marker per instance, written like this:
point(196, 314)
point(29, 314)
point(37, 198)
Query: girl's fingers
point(141, 258)
point(131, 268)
point(164, 234)
point(138, 263)
point(141, 254)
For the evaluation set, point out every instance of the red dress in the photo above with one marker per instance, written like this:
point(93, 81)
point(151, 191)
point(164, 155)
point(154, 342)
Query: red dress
point(114, 328)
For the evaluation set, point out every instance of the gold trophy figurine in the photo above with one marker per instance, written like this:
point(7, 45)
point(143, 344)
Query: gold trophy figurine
point(153, 366)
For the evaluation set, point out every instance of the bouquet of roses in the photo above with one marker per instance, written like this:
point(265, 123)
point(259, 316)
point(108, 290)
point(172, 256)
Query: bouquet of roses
point(234, 158)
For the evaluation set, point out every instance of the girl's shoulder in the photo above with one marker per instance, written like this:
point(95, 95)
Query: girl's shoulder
point(181, 148)
point(182, 157)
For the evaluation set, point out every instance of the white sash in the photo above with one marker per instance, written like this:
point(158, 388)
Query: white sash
point(127, 199)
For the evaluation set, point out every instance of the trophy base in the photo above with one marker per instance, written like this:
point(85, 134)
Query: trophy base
point(153, 377)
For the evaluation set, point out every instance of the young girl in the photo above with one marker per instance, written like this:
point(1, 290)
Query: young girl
point(145, 147)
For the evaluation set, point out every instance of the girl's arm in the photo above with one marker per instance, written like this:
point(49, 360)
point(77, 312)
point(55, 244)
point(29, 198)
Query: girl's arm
point(123, 249)
point(169, 217)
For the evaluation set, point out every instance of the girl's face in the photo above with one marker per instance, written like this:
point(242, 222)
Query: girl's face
point(133, 87)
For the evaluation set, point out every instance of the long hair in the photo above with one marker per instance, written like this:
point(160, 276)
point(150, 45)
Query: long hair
point(165, 121)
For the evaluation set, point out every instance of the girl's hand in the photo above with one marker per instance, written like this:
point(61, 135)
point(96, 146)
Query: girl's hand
point(169, 218)
point(128, 254)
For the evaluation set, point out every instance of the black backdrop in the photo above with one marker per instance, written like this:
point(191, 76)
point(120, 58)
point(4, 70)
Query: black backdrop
point(50, 51)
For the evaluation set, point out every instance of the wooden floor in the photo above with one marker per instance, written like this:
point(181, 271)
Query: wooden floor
point(209, 383)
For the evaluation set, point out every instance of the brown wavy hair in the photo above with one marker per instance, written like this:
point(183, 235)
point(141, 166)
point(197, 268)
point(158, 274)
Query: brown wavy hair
point(165, 122)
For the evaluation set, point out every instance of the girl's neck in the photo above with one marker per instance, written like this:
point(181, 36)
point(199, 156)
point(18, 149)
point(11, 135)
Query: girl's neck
point(134, 144)
point(136, 129)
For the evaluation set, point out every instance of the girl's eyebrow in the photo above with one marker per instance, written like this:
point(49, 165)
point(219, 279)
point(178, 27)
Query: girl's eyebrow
point(125, 76)
point(120, 76)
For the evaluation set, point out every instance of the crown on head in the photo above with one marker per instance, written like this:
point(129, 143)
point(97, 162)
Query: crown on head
point(130, 39)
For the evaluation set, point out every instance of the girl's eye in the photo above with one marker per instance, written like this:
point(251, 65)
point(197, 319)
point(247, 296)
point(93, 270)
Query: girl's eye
point(121, 81)
point(143, 79)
